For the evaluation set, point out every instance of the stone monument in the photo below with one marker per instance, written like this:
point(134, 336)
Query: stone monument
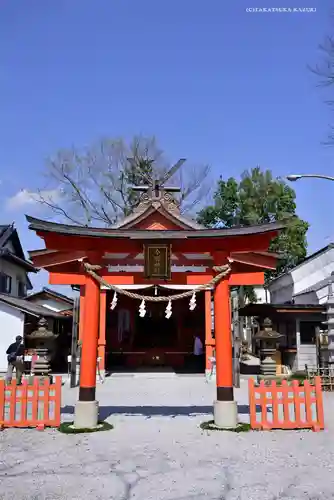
point(43, 341)
point(268, 339)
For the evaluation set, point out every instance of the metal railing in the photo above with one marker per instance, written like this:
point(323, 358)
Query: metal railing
point(326, 374)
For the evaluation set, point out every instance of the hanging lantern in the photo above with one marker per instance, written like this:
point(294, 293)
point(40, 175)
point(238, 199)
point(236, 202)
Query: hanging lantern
point(192, 302)
point(142, 309)
point(114, 301)
point(168, 311)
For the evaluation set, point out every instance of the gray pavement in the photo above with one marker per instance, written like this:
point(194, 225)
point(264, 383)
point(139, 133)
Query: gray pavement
point(157, 451)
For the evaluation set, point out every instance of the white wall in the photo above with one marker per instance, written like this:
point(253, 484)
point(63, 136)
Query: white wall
point(322, 295)
point(16, 272)
point(262, 295)
point(282, 295)
point(307, 298)
point(307, 355)
point(11, 325)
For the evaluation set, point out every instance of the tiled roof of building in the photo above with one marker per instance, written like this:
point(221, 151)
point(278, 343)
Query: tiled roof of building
point(28, 307)
point(9, 233)
point(317, 286)
point(52, 293)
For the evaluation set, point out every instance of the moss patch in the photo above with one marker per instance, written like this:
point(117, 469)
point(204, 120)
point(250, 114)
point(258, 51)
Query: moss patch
point(210, 426)
point(68, 428)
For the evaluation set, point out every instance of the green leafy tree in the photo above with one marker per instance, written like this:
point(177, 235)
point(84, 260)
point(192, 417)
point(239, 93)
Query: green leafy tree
point(258, 198)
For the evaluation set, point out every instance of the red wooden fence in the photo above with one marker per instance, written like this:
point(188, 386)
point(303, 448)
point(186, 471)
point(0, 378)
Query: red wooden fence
point(286, 406)
point(36, 405)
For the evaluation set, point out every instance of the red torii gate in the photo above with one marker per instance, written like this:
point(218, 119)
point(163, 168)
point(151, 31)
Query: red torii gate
point(244, 249)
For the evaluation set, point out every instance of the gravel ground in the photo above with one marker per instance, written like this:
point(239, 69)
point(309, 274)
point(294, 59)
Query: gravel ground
point(158, 452)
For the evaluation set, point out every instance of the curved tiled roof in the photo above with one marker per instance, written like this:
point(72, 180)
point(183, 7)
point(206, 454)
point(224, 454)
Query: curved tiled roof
point(135, 234)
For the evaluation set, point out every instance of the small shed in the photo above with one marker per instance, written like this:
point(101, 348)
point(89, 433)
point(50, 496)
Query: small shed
point(298, 324)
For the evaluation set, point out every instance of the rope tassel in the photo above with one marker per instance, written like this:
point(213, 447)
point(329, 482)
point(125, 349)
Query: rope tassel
point(142, 309)
point(168, 312)
point(192, 302)
point(114, 301)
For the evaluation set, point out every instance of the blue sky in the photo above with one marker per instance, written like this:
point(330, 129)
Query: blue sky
point(214, 83)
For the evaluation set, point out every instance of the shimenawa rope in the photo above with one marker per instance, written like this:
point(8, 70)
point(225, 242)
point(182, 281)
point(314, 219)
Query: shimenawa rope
point(222, 272)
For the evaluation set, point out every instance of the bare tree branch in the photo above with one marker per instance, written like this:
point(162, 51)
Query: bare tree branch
point(95, 183)
point(55, 208)
point(325, 71)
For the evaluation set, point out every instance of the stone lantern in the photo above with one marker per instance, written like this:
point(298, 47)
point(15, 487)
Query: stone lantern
point(43, 340)
point(268, 339)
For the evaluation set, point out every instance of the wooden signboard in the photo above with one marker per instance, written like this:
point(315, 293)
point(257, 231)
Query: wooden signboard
point(157, 261)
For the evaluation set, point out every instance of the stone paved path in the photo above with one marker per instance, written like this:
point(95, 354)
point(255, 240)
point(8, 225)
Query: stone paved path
point(158, 452)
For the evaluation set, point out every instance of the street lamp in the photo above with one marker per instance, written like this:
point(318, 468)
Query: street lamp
point(295, 177)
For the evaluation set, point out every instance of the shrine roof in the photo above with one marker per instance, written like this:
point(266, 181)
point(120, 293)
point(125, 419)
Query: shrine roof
point(148, 234)
point(172, 215)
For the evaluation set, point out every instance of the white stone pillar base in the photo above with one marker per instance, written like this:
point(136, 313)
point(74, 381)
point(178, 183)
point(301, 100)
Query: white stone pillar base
point(225, 414)
point(86, 414)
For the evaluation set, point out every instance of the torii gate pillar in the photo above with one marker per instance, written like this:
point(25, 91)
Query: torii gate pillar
point(86, 409)
point(225, 408)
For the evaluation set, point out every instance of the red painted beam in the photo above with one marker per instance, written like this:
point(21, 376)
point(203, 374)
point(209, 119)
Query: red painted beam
point(246, 279)
point(253, 278)
point(121, 279)
point(56, 258)
point(66, 279)
point(264, 261)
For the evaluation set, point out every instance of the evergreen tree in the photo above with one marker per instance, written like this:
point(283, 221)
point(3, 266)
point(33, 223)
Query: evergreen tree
point(258, 198)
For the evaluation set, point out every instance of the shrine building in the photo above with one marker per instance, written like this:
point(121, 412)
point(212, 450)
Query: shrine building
point(147, 285)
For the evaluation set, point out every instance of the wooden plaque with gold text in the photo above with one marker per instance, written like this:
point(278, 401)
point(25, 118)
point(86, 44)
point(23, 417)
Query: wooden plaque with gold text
point(157, 261)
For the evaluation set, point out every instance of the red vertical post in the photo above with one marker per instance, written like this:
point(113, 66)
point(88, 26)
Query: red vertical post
point(224, 365)
point(81, 312)
point(319, 403)
point(208, 326)
point(2, 402)
point(102, 329)
point(90, 340)
point(252, 404)
point(225, 408)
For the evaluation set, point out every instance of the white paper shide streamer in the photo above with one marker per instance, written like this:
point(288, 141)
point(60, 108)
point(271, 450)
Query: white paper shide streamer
point(192, 302)
point(168, 311)
point(114, 301)
point(142, 309)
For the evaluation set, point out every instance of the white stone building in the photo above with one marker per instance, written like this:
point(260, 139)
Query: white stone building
point(296, 302)
point(306, 288)
point(307, 283)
